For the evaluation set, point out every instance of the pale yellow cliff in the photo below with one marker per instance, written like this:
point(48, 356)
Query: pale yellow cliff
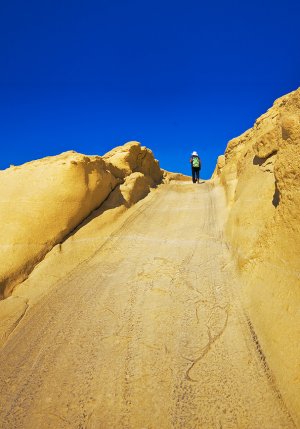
point(260, 173)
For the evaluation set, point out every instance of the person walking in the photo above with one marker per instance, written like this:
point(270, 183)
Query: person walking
point(195, 162)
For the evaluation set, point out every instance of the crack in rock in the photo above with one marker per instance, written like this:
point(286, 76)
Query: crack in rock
point(211, 340)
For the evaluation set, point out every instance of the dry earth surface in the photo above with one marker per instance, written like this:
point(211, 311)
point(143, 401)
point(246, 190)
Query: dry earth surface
point(148, 332)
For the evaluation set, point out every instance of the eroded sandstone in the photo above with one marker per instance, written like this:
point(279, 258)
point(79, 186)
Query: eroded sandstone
point(260, 173)
point(44, 200)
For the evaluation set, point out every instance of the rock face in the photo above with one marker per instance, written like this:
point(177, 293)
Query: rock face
point(261, 176)
point(43, 201)
point(131, 158)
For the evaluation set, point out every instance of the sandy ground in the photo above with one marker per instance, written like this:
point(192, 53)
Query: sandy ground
point(148, 333)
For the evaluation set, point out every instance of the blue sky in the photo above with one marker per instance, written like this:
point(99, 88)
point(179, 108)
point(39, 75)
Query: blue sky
point(175, 75)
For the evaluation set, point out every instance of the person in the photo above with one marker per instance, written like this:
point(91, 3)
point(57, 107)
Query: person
point(196, 166)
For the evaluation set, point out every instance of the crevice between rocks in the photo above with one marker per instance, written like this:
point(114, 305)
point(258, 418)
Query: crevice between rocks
point(15, 324)
point(260, 161)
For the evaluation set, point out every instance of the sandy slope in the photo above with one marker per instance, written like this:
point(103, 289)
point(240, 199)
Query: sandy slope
point(147, 333)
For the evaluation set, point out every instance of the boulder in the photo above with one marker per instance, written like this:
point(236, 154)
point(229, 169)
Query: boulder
point(43, 201)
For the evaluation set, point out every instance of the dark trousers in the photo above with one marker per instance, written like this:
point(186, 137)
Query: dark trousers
point(195, 174)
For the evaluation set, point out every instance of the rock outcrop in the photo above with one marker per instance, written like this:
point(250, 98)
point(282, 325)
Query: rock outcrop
point(260, 173)
point(170, 177)
point(132, 158)
point(43, 201)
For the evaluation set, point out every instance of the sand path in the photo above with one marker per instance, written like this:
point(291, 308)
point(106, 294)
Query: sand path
point(149, 333)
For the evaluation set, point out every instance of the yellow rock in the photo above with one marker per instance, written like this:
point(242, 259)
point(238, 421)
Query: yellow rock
point(155, 286)
point(43, 201)
point(131, 158)
point(169, 176)
point(12, 310)
point(261, 176)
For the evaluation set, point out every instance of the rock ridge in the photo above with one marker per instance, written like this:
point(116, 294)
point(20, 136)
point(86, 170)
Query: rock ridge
point(260, 173)
point(43, 201)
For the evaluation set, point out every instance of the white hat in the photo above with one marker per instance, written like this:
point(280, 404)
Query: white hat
point(195, 153)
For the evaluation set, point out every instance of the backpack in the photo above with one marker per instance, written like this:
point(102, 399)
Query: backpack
point(196, 161)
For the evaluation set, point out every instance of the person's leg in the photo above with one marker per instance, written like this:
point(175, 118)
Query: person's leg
point(194, 174)
point(197, 175)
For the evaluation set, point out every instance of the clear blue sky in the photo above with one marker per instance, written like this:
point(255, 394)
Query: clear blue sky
point(175, 75)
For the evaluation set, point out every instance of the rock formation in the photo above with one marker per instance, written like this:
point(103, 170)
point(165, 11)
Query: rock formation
point(43, 201)
point(260, 173)
point(74, 222)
